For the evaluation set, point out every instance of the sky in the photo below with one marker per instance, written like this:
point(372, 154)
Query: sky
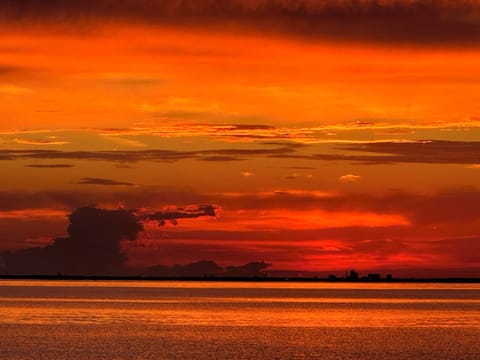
point(313, 135)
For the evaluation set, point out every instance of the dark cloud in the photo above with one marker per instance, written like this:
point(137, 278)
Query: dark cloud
point(428, 151)
point(148, 155)
point(49, 166)
point(93, 245)
point(389, 153)
point(134, 197)
point(103, 182)
point(251, 127)
point(448, 206)
point(431, 22)
point(283, 237)
point(190, 212)
point(221, 158)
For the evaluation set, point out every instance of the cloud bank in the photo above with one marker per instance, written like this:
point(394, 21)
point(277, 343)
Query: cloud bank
point(385, 152)
point(412, 22)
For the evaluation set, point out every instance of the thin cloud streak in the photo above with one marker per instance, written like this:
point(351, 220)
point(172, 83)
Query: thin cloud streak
point(40, 142)
point(383, 152)
point(103, 182)
point(49, 166)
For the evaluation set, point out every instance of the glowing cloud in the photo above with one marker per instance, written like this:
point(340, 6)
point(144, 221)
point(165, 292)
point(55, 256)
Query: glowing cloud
point(350, 178)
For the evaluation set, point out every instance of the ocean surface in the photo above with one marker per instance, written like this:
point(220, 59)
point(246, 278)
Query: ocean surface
point(235, 320)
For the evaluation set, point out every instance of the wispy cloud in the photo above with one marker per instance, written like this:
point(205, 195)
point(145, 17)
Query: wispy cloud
point(50, 166)
point(232, 132)
point(247, 174)
point(172, 214)
point(383, 152)
point(345, 133)
point(40, 142)
point(103, 182)
point(125, 156)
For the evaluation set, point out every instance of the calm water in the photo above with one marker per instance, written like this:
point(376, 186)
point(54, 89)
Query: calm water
point(205, 320)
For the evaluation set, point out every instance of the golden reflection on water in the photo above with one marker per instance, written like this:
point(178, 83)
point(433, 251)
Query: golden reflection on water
point(238, 284)
point(240, 304)
point(221, 320)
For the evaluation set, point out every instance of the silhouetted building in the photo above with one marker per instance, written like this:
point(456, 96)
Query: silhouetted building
point(353, 276)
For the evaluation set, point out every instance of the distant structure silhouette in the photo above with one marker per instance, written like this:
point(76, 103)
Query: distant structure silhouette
point(353, 276)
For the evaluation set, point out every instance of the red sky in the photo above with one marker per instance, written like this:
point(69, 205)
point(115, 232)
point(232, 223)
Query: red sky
point(330, 135)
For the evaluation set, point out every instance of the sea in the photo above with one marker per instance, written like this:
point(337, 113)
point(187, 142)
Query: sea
point(56, 319)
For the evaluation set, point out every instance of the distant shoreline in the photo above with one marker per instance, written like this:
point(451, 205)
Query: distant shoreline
point(237, 279)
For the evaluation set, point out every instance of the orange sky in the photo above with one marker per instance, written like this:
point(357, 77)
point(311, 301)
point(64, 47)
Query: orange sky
point(329, 136)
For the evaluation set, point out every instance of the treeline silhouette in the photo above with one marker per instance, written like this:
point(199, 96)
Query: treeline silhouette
point(207, 268)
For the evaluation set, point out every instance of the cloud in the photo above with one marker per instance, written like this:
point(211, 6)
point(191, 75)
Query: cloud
point(221, 158)
point(413, 22)
point(32, 213)
point(172, 214)
point(230, 132)
point(298, 137)
point(349, 178)
point(94, 242)
point(448, 205)
point(132, 156)
point(49, 166)
point(329, 229)
point(361, 152)
point(40, 142)
point(427, 151)
point(135, 197)
point(92, 245)
point(396, 152)
point(127, 142)
point(103, 182)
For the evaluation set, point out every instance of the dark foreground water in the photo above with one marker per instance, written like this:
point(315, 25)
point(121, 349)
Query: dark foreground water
point(206, 320)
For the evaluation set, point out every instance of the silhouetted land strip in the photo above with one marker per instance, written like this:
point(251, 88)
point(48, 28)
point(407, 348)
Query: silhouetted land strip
point(237, 279)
